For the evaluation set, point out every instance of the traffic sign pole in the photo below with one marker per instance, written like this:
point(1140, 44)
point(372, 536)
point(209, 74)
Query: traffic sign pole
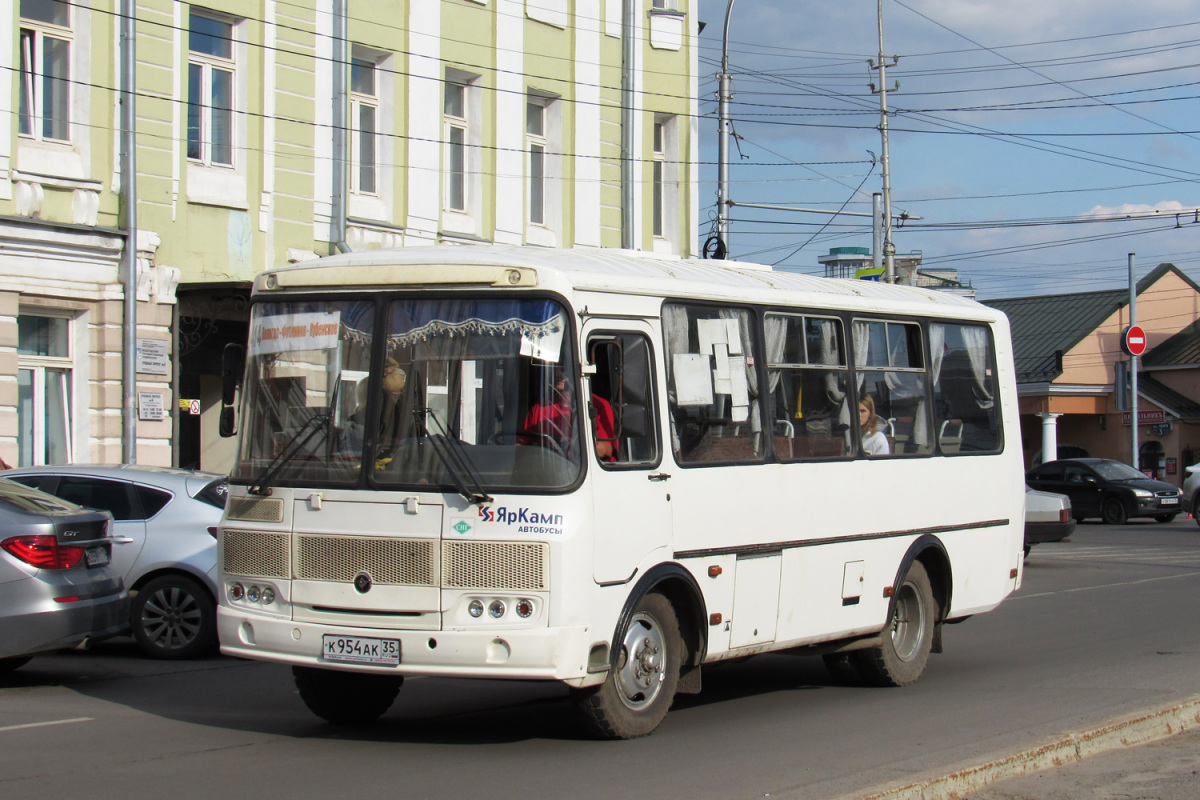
point(1133, 371)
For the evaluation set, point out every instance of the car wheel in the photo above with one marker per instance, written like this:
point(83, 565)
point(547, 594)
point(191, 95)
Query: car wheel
point(1113, 511)
point(350, 697)
point(1164, 517)
point(636, 695)
point(173, 617)
point(9, 664)
point(908, 639)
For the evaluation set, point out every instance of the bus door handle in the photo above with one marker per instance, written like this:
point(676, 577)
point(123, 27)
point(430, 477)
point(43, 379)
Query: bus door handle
point(659, 476)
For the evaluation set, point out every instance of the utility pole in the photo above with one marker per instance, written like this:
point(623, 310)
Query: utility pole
point(889, 249)
point(723, 95)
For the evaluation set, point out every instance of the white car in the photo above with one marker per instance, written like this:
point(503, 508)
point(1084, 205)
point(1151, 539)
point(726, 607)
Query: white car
point(164, 544)
point(1047, 517)
point(1191, 491)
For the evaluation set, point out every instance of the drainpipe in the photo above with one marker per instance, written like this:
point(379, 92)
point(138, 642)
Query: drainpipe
point(129, 256)
point(628, 172)
point(341, 149)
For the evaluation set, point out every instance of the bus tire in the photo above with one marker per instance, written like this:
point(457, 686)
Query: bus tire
point(907, 640)
point(337, 696)
point(637, 693)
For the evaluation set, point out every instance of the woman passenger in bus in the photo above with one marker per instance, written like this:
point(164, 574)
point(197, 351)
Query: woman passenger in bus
point(874, 443)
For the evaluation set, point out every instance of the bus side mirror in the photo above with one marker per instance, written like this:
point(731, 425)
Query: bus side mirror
point(227, 426)
point(233, 364)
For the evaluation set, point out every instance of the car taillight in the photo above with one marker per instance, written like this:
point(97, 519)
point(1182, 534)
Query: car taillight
point(1064, 515)
point(43, 551)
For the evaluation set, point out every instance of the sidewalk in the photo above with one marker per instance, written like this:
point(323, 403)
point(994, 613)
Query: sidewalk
point(1168, 769)
point(1152, 755)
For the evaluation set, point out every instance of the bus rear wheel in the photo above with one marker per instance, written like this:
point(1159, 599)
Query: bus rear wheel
point(636, 695)
point(908, 639)
point(346, 696)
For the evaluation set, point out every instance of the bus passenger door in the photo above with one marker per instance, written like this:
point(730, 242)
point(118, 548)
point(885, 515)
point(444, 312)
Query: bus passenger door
point(630, 492)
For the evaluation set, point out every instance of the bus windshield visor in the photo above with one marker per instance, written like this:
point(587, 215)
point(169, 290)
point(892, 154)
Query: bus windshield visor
point(461, 393)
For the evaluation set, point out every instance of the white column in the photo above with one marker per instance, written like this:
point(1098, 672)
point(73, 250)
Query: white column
point(1049, 435)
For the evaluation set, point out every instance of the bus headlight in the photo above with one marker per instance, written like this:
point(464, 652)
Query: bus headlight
point(496, 609)
point(524, 608)
point(237, 591)
point(475, 608)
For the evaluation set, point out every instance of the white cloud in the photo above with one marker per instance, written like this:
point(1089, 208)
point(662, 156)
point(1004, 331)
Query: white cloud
point(1165, 207)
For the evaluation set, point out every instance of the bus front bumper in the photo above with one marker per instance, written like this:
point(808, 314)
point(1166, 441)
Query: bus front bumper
point(558, 654)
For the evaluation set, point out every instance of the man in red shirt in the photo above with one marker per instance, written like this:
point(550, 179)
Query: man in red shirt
point(554, 420)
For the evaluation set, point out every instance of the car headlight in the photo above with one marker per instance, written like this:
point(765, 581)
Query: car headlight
point(1142, 493)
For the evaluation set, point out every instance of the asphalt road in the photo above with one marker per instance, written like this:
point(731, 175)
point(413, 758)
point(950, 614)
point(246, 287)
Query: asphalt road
point(1104, 625)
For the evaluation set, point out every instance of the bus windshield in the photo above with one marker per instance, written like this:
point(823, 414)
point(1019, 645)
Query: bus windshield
point(463, 392)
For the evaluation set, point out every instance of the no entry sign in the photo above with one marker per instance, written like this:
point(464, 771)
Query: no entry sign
point(1133, 340)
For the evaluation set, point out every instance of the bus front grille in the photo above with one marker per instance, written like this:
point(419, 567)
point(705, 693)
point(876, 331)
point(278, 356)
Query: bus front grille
point(254, 509)
point(495, 565)
point(407, 562)
point(255, 554)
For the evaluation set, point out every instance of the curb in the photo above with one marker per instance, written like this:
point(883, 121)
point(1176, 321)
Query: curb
point(1139, 728)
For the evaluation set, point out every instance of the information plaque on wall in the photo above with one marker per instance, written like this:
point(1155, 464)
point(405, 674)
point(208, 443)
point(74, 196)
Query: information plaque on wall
point(152, 356)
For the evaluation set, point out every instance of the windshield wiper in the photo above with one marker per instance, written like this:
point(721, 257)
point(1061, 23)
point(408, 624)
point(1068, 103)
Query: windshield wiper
point(454, 457)
point(315, 424)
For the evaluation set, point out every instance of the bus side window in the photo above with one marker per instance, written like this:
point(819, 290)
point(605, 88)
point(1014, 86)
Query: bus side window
point(888, 358)
point(966, 412)
point(712, 383)
point(621, 405)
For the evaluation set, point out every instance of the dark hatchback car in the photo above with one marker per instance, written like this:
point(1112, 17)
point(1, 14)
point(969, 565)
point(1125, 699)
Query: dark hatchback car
point(1111, 490)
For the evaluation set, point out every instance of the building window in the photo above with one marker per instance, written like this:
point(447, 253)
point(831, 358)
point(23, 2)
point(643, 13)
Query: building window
point(456, 146)
point(535, 137)
point(43, 390)
point(211, 69)
point(660, 159)
point(45, 92)
point(364, 111)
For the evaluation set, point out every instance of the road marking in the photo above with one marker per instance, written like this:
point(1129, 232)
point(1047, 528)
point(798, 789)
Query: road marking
point(1102, 586)
point(44, 724)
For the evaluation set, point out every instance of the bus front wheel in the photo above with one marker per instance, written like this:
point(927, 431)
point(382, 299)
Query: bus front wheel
point(636, 695)
point(901, 656)
point(346, 696)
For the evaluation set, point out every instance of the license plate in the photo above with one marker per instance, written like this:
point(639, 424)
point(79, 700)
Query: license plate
point(360, 650)
point(1169, 501)
point(97, 556)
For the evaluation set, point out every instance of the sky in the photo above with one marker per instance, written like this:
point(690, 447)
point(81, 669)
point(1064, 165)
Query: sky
point(1034, 144)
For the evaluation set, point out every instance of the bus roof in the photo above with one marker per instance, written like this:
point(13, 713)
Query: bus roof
point(605, 270)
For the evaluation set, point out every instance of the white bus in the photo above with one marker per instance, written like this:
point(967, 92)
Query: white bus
point(609, 469)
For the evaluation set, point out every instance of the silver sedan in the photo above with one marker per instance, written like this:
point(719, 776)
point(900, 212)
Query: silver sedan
point(164, 544)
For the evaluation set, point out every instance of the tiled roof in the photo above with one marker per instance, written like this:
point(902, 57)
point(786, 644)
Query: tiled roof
point(1047, 324)
point(1181, 349)
point(1167, 398)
